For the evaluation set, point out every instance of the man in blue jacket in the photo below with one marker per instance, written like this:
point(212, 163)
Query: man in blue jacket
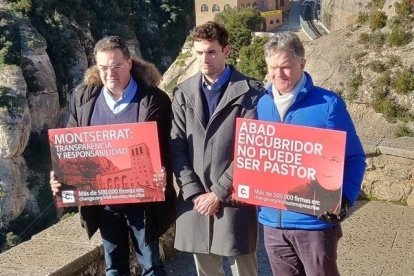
point(296, 243)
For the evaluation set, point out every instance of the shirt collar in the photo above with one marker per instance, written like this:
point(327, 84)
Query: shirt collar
point(219, 82)
point(126, 96)
point(298, 87)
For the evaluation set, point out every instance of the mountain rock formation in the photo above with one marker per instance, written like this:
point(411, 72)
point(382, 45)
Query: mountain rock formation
point(45, 48)
point(15, 127)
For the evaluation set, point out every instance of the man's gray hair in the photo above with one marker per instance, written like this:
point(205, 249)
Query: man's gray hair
point(285, 41)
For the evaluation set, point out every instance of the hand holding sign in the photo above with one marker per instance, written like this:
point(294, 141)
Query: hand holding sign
point(333, 218)
point(55, 185)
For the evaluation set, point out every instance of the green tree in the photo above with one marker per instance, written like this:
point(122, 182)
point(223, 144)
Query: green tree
point(240, 25)
point(251, 59)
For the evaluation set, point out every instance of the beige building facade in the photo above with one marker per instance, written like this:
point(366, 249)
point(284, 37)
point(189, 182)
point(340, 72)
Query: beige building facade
point(271, 10)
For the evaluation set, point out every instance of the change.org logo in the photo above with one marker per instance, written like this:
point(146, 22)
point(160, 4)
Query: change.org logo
point(243, 191)
point(68, 196)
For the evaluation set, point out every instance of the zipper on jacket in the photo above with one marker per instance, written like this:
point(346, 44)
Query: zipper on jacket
point(286, 120)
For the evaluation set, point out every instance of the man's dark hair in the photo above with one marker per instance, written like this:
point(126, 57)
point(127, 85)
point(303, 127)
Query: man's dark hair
point(109, 43)
point(211, 31)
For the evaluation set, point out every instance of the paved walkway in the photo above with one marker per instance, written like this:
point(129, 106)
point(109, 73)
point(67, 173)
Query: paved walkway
point(293, 22)
point(378, 241)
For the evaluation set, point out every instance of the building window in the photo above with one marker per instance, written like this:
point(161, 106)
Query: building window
point(254, 5)
point(247, 5)
point(204, 8)
point(215, 8)
point(271, 22)
point(242, 6)
point(282, 3)
point(227, 7)
point(277, 21)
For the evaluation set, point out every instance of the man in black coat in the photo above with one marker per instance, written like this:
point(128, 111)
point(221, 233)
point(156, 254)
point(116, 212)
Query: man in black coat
point(123, 89)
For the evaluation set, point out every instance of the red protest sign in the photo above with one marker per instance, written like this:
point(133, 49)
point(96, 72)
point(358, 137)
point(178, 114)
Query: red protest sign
point(109, 164)
point(288, 167)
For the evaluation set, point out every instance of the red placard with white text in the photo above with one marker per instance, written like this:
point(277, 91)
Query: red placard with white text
point(288, 167)
point(108, 164)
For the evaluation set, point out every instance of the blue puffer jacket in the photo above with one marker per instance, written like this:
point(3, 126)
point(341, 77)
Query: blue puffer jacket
point(315, 107)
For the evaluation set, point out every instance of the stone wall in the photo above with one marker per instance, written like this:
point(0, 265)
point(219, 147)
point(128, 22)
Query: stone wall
point(390, 171)
point(64, 249)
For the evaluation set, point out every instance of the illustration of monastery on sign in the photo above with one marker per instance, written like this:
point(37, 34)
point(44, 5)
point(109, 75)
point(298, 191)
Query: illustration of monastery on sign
point(101, 173)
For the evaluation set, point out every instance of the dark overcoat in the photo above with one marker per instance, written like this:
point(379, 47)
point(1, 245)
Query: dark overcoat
point(201, 156)
point(154, 105)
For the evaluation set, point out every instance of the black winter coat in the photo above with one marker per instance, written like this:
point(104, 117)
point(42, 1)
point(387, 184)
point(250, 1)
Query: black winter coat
point(154, 105)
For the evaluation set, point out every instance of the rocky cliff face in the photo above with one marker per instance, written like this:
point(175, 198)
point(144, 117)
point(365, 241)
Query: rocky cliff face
point(390, 171)
point(333, 60)
point(337, 14)
point(52, 43)
point(37, 69)
point(182, 68)
point(15, 126)
point(29, 104)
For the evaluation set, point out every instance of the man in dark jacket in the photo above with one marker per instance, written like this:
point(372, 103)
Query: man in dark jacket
point(123, 89)
point(205, 108)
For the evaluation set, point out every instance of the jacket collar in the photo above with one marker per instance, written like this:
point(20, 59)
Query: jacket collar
point(144, 73)
point(237, 87)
